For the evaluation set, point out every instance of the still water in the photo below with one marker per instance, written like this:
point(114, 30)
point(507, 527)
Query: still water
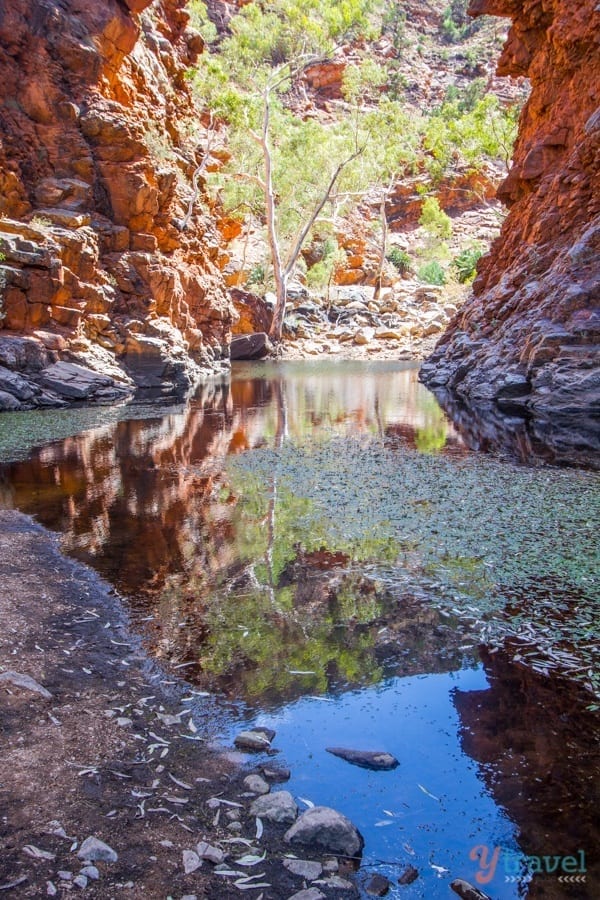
point(314, 544)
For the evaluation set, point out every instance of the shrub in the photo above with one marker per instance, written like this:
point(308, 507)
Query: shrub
point(400, 259)
point(432, 273)
point(465, 264)
point(434, 220)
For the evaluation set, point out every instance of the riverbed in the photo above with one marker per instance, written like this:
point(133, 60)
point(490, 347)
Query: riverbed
point(315, 547)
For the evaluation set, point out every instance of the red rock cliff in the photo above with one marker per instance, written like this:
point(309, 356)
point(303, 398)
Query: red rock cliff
point(99, 143)
point(528, 338)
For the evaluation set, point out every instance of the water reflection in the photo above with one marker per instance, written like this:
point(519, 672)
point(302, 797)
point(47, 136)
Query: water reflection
point(321, 531)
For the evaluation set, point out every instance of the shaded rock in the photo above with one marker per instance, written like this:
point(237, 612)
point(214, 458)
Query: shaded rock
point(409, 875)
point(8, 402)
point(256, 784)
point(378, 886)
point(90, 872)
point(95, 850)
point(327, 830)
point(278, 806)
point(74, 382)
point(467, 891)
point(304, 868)
point(25, 681)
point(250, 346)
point(366, 759)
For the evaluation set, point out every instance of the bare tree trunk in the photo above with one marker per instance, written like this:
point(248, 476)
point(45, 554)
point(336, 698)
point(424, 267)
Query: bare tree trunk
point(279, 275)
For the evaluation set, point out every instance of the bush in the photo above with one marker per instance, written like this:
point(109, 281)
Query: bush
point(432, 273)
point(400, 259)
point(434, 219)
point(465, 264)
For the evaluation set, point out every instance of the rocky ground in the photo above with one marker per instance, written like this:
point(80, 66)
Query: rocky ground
point(108, 787)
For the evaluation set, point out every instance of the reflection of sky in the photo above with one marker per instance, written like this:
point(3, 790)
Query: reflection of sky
point(415, 719)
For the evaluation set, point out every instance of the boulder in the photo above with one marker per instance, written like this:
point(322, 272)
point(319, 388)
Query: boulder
point(327, 830)
point(250, 346)
point(95, 850)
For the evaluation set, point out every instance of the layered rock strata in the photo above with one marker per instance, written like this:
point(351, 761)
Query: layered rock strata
point(527, 340)
point(107, 258)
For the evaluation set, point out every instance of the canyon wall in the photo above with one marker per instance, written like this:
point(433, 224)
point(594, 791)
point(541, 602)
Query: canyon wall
point(108, 256)
point(526, 343)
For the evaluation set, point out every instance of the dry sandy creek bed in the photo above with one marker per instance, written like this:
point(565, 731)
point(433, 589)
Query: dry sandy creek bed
point(96, 759)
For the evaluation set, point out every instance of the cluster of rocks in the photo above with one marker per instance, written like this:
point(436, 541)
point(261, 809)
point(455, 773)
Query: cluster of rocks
point(31, 375)
point(402, 322)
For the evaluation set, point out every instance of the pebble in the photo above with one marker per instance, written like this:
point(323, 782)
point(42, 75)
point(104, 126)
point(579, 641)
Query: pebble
point(409, 875)
point(378, 886)
point(90, 872)
point(51, 889)
point(235, 827)
point(254, 739)
point(276, 773)
point(212, 854)
point(96, 850)
point(304, 868)
point(80, 881)
point(191, 861)
point(64, 875)
point(309, 894)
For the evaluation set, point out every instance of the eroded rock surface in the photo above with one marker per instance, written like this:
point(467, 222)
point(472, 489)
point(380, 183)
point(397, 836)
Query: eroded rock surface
point(528, 337)
point(100, 143)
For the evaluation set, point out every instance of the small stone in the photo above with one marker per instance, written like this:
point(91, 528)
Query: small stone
point(124, 722)
point(276, 774)
point(233, 815)
point(96, 850)
point(256, 784)
point(409, 875)
point(340, 884)
point(90, 872)
point(304, 868)
point(25, 681)
point(279, 806)
point(213, 854)
point(467, 891)
point(328, 830)
point(309, 894)
point(366, 759)
point(378, 886)
point(51, 889)
point(253, 740)
point(235, 827)
point(80, 881)
point(64, 875)
point(330, 866)
point(191, 861)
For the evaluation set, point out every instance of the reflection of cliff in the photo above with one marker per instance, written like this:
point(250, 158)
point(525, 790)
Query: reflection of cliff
point(217, 559)
point(538, 750)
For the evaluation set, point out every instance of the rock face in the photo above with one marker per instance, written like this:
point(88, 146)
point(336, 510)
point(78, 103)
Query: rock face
point(99, 146)
point(527, 340)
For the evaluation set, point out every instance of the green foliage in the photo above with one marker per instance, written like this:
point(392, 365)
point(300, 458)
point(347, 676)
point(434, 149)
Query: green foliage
point(434, 220)
point(400, 259)
point(200, 21)
point(455, 135)
point(456, 24)
point(257, 275)
point(465, 264)
point(432, 273)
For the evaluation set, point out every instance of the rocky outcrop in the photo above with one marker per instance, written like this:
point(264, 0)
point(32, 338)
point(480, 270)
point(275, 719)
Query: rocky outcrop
point(527, 340)
point(101, 262)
